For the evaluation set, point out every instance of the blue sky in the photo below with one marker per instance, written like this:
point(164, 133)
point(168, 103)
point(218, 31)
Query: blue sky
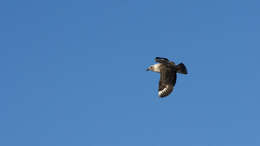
point(73, 73)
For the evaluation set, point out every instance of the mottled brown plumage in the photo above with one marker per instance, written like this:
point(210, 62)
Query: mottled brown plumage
point(168, 74)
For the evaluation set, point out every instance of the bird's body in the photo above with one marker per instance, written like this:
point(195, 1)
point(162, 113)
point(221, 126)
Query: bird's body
point(168, 74)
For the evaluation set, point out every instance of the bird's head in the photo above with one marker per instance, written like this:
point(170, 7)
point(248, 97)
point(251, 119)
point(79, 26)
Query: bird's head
point(154, 68)
point(150, 68)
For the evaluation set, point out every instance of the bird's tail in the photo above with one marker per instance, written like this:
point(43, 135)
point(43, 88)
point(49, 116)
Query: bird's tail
point(181, 69)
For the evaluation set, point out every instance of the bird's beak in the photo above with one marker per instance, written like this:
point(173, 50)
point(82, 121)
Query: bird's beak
point(148, 69)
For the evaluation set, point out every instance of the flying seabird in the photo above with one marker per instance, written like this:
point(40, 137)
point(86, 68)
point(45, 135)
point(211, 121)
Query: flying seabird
point(168, 74)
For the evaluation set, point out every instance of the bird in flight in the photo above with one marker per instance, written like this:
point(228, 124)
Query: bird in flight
point(168, 74)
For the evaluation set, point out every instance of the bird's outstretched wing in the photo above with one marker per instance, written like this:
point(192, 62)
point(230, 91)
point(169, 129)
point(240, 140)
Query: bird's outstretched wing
point(161, 60)
point(167, 81)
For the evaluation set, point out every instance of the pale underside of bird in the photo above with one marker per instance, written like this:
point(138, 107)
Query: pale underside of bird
point(168, 74)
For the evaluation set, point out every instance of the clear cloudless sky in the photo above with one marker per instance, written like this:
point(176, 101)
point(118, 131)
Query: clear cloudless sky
point(73, 72)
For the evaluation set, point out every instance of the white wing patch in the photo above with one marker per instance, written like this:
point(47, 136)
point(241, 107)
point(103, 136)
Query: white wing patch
point(166, 91)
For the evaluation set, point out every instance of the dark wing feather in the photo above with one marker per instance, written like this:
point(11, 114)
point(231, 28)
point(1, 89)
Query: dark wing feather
point(161, 60)
point(167, 81)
